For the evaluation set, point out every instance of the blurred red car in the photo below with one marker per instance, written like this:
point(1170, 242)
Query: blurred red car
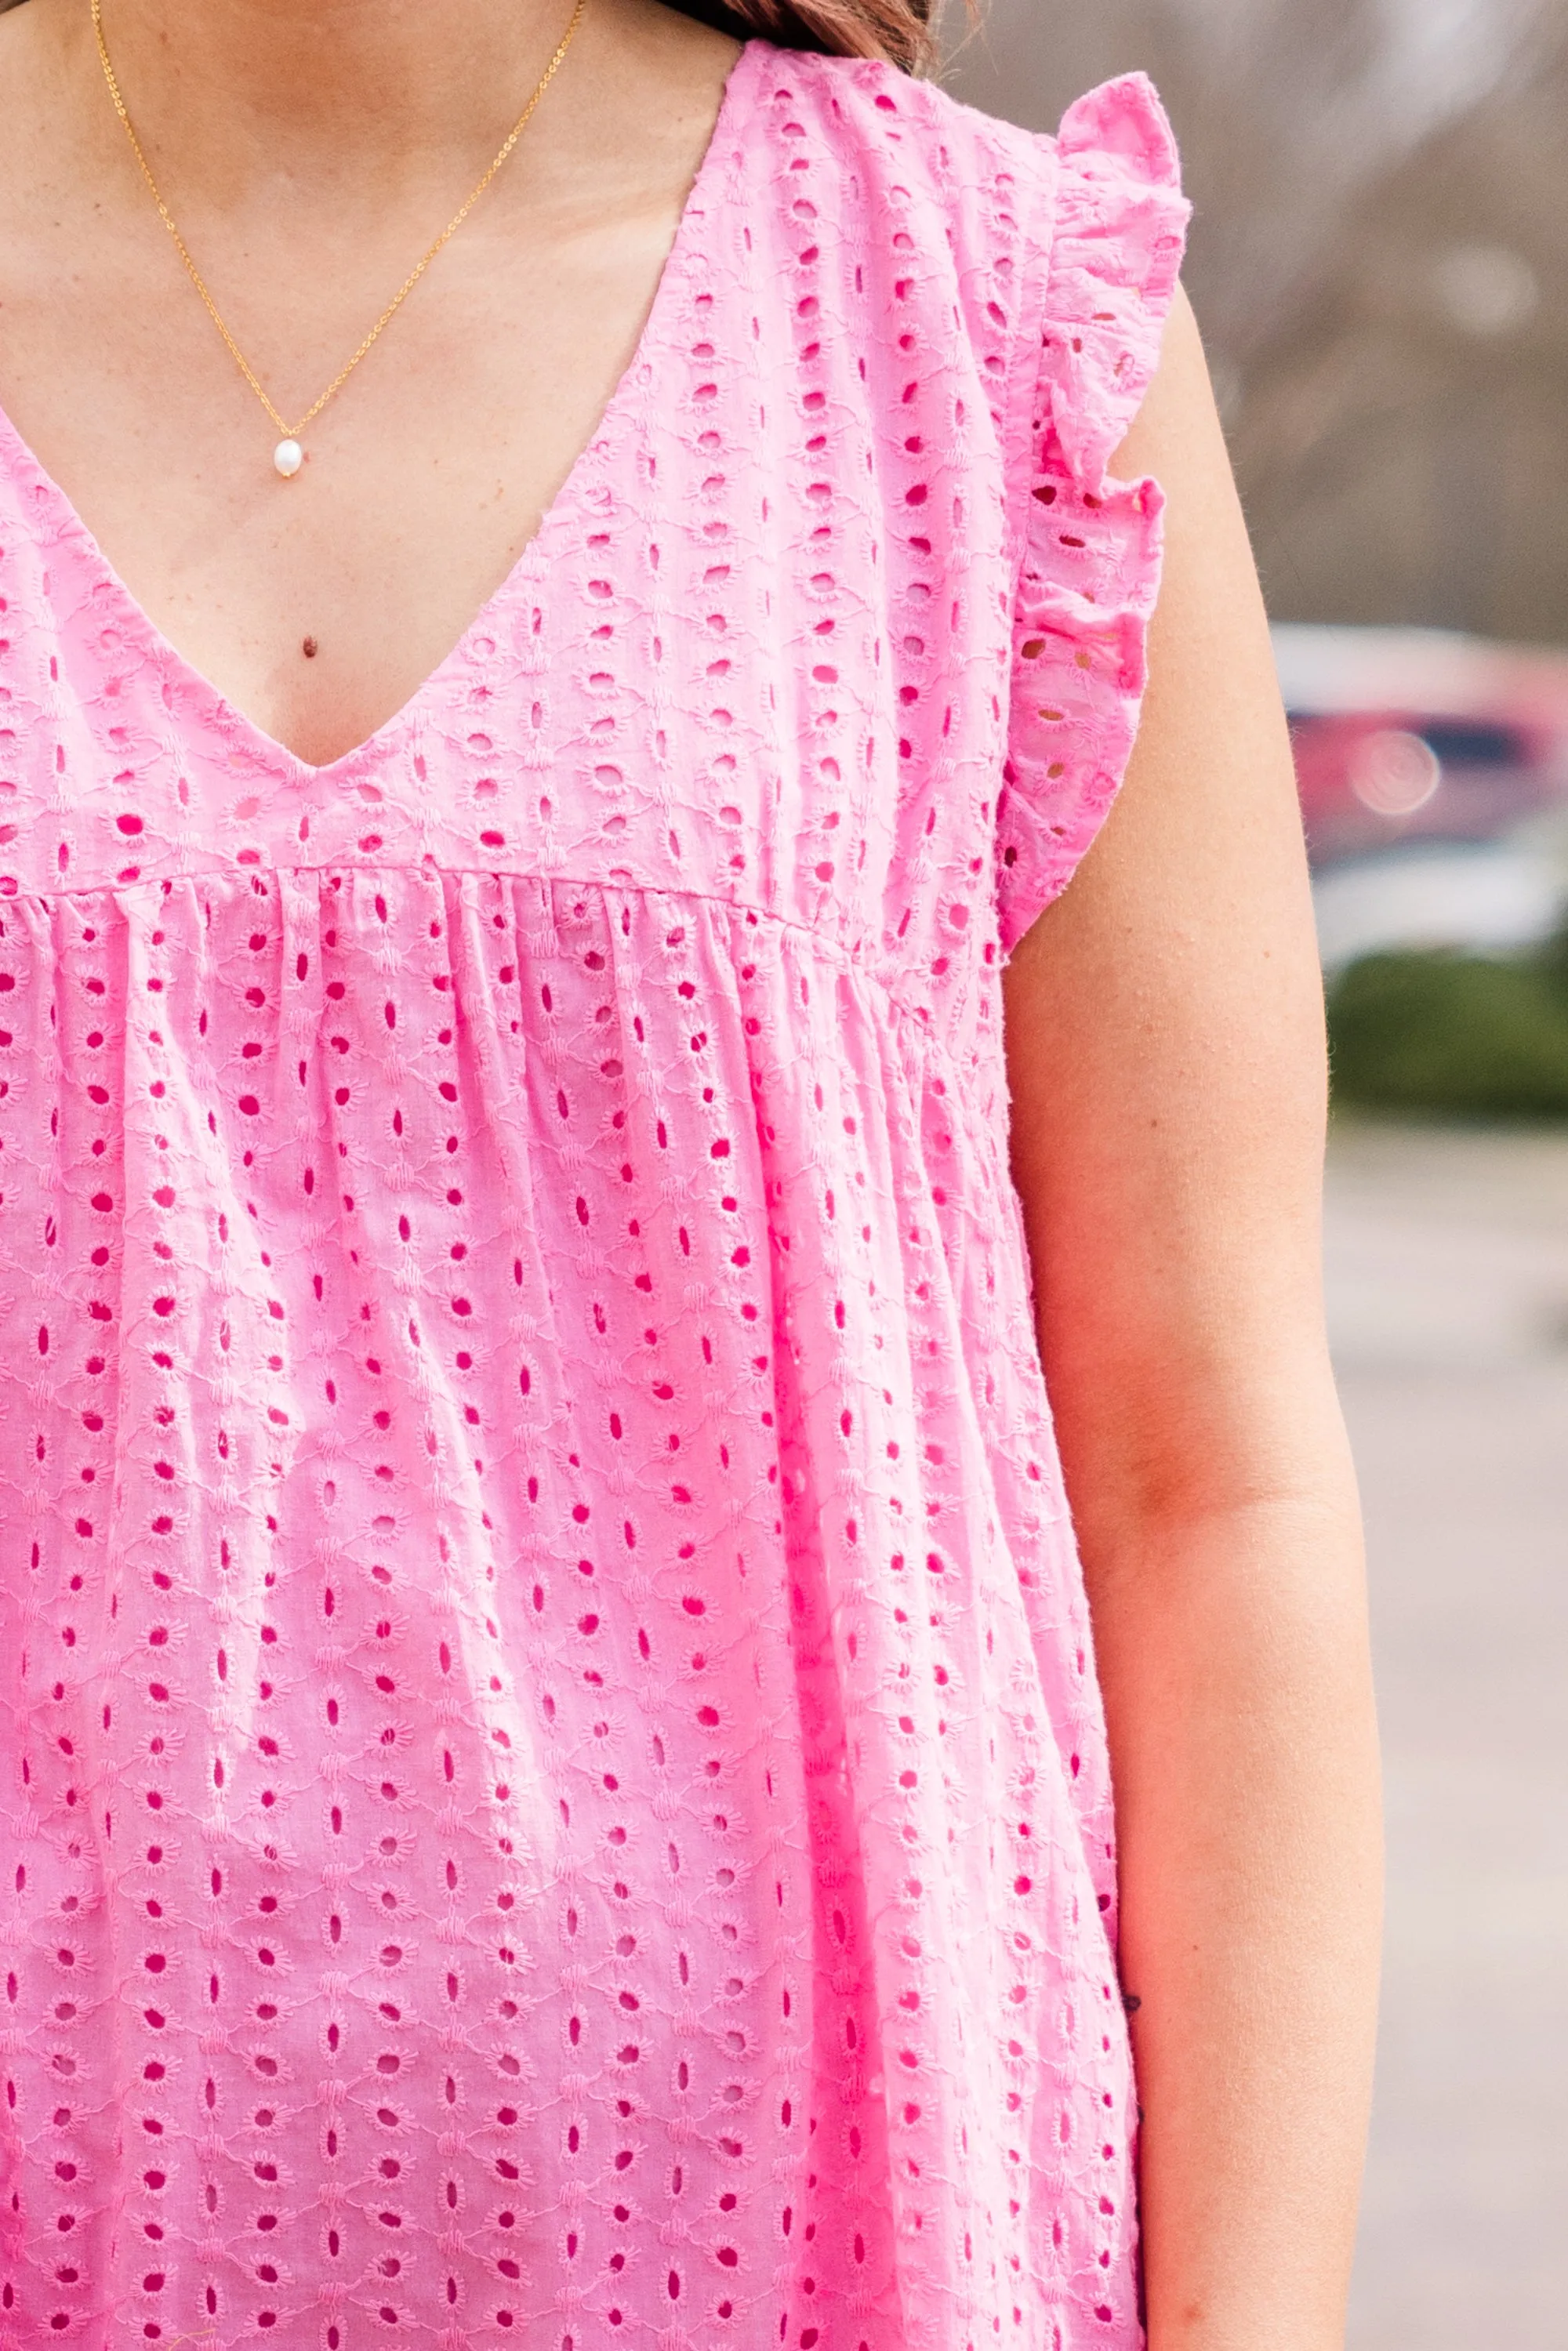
point(1403, 735)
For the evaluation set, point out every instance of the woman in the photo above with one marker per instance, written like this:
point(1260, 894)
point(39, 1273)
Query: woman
point(555, 1780)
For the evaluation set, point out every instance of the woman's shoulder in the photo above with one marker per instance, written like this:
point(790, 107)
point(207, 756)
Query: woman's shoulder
point(1118, 132)
point(890, 125)
point(1017, 230)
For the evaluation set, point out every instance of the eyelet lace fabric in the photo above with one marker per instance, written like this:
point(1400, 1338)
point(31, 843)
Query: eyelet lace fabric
point(552, 1787)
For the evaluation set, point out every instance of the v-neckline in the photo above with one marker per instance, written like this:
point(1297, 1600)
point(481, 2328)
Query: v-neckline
point(224, 716)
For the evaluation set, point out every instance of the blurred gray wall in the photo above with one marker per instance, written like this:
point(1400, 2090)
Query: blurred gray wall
point(1379, 260)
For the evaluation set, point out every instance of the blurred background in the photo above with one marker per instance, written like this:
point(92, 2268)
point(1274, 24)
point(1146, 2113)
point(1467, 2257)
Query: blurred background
point(1379, 261)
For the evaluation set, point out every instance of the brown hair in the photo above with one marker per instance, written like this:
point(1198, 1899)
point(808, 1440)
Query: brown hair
point(902, 31)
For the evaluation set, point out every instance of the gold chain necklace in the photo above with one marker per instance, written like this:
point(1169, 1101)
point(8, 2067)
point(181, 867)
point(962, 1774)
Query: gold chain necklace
point(289, 455)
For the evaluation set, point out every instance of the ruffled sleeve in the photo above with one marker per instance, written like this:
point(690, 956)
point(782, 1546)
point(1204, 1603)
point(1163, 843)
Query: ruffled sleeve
point(1091, 554)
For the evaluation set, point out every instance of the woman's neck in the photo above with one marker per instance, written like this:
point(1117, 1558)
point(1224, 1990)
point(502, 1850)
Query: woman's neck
point(377, 100)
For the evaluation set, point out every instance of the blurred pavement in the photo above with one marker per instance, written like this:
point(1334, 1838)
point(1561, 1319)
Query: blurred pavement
point(1448, 1275)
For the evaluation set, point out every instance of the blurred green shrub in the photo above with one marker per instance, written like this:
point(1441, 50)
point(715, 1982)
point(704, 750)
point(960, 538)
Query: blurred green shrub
point(1461, 1036)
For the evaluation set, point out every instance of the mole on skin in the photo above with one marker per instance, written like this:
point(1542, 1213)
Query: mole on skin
point(310, 649)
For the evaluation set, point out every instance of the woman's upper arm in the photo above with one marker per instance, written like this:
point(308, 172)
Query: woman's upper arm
point(1164, 1044)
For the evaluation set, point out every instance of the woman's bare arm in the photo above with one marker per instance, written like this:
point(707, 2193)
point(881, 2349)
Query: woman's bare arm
point(1167, 1059)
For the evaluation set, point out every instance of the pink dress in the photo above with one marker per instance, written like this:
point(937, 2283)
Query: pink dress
point(552, 1788)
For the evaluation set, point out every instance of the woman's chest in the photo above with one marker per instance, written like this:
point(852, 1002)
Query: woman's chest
point(755, 649)
point(433, 445)
point(318, 605)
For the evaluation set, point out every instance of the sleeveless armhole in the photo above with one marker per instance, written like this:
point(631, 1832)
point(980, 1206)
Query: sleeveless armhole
point(1090, 563)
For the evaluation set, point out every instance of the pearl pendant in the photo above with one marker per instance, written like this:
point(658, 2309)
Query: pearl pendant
point(288, 456)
